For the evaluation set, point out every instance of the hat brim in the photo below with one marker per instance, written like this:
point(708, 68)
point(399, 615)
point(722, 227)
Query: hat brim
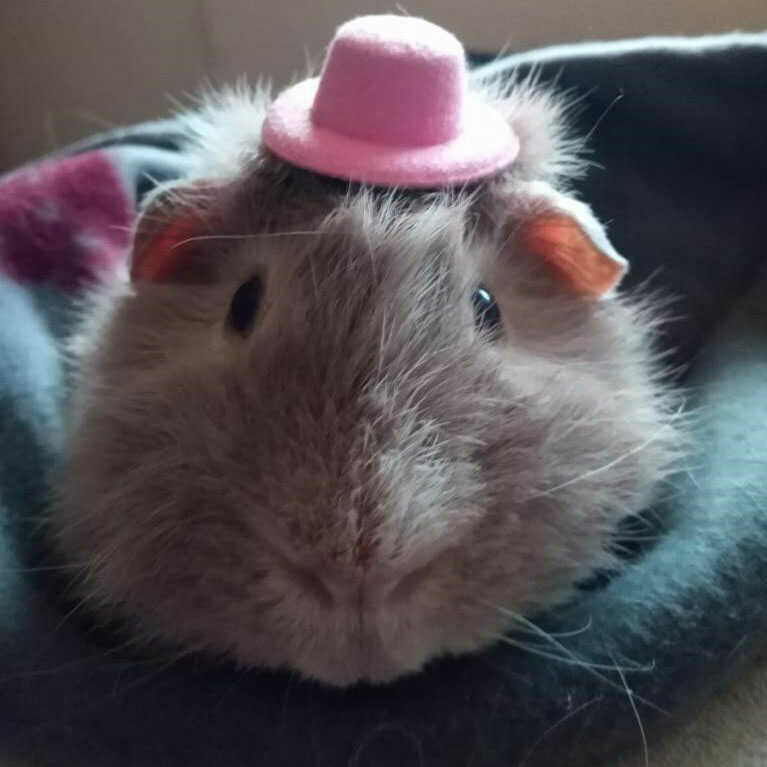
point(485, 145)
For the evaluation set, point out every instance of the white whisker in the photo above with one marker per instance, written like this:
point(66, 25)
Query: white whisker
point(643, 735)
point(604, 114)
point(569, 715)
point(566, 656)
point(262, 235)
point(604, 467)
point(561, 634)
point(42, 569)
point(536, 629)
point(568, 659)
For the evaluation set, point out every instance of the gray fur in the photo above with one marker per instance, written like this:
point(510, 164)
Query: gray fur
point(355, 487)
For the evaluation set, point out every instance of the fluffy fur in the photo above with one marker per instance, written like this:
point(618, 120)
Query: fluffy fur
point(364, 480)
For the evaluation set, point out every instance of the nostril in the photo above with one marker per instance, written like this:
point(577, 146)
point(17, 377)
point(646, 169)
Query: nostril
point(410, 583)
point(312, 585)
point(334, 589)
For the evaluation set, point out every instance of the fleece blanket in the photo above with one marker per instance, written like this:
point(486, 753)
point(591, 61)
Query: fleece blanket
point(680, 127)
point(65, 224)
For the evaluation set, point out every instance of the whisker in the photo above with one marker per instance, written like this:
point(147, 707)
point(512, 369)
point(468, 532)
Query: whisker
point(79, 605)
point(643, 735)
point(75, 664)
point(604, 114)
point(261, 235)
point(172, 661)
point(590, 668)
point(130, 643)
point(569, 715)
point(561, 634)
point(41, 569)
point(535, 628)
point(567, 656)
point(568, 659)
point(605, 467)
point(71, 665)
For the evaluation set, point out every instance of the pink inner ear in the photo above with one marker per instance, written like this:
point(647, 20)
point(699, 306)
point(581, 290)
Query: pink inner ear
point(559, 241)
point(156, 259)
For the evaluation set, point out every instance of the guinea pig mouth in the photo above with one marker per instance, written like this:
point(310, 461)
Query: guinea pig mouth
point(309, 583)
point(368, 666)
point(357, 590)
point(363, 656)
point(365, 589)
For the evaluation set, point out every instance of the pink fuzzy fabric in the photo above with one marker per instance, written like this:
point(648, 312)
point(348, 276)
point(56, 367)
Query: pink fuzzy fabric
point(66, 222)
point(391, 107)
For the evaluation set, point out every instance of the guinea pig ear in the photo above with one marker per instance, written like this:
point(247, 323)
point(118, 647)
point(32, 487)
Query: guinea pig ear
point(168, 244)
point(566, 236)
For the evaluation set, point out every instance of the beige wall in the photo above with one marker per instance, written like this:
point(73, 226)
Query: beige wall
point(72, 67)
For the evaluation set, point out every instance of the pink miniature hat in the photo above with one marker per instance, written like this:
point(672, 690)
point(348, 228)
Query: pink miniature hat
point(391, 107)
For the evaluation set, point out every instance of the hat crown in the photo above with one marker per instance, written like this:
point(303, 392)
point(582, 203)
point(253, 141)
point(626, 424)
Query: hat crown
point(392, 80)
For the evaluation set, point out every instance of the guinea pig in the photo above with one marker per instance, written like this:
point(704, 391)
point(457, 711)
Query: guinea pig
point(343, 430)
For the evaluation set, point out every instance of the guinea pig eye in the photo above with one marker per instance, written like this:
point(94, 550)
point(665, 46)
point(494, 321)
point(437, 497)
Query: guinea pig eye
point(487, 315)
point(244, 306)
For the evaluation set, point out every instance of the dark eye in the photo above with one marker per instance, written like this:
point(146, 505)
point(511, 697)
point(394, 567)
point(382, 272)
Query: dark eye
point(487, 315)
point(244, 307)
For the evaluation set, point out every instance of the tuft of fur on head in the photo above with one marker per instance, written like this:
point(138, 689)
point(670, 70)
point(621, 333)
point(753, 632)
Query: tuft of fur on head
point(540, 116)
point(367, 479)
point(224, 130)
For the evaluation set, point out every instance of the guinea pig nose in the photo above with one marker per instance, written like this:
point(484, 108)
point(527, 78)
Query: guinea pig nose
point(313, 585)
point(405, 586)
point(328, 584)
point(357, 587)
point(334, 586)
